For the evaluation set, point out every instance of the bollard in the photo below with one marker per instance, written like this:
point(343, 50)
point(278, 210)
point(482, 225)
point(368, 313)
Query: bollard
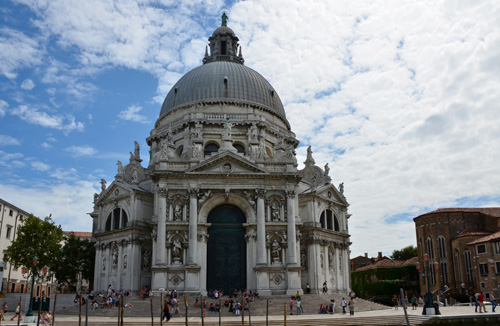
point(80, 311)
point(267, 312)
point(122, 306)
point(54, 310)
point(220, 309)
point(242, 313)
point(186, 305)
point(19, 316)
point(161, 308)
point(151, 300)
point(285, 313)
point(202, 308)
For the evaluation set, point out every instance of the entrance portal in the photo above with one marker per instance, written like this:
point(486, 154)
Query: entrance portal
point(226, 250)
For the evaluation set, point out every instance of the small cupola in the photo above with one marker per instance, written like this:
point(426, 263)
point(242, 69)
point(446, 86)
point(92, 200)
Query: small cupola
point(223, 45)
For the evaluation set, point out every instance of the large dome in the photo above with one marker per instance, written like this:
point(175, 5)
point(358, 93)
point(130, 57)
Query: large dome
point(223, 81)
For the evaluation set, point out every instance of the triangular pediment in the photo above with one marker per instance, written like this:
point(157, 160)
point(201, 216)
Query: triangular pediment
point(115, 191)
point(227, 163)
point(329, 193)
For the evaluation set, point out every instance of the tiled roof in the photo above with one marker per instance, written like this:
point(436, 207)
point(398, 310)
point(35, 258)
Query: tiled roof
point(79, 234)
point(471, 234)
point(492, 211)
point(491, 237)
point(388, 263)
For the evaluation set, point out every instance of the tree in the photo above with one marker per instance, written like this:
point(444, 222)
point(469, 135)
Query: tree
point(36, 238)
point(76, 262)
point(405, 253)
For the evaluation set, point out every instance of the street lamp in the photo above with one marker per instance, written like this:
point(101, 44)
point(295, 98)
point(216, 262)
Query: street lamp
point(427, 268)
point(35, 262)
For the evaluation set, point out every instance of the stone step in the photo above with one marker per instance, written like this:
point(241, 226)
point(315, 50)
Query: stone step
point(310, 304)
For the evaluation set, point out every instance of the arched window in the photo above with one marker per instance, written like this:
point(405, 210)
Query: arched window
point(239, 148)
point(329, 221)
point(179, 150)
point(468, 265)
point(441, 247)
point(211, 148)
point(459, 267)
point(117, 219)
point(322, 220)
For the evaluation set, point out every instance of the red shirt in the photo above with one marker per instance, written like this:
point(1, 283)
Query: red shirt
point(481, 297)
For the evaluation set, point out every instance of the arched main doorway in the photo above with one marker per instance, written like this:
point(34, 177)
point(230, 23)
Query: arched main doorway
point(226, 249)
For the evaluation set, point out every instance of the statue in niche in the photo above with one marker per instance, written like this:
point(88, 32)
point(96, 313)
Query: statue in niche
point(178, 212)
point(176, 251)
point(103, 184)
point(275, 212)
point(322, 260)
point(253, 132)
point(115, 257)
point(104, 264)
point(120, 167)
point(340, 261)
point(303, 260)
point(262, 150)
point(125, 262)
point(169, 136)
point(341, 187)
point(146, 259)
point(276, 252)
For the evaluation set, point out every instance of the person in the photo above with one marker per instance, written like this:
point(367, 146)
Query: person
point(421, 301)
point(325, 287)
point(332, 306)
point(481, 302)
point(414, 303)
point(166, 311)
point(4, 309)
point(475, 299)
point(395, 302)
point(351, 307)
point(237, 308)
point(18, 313)
point(308, 288)
point(297, 295)
point(299, 307)
point(493, 302)
point(290, 303)
point(344, 303)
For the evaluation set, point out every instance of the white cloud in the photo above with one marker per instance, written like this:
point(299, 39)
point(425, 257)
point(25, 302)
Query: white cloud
point(39, 166)
point(132, 114)
point(46, 145)
point(8, 140)
point(17, 51)
point(68, 202)
point(44, 119)
point(79, 151)
point(3, 106)
point(65, 174)
point(27, 84)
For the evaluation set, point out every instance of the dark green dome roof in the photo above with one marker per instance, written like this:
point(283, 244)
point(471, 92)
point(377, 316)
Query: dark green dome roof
point(223, 81)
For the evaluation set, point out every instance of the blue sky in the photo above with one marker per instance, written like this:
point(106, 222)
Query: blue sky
point(400, 97)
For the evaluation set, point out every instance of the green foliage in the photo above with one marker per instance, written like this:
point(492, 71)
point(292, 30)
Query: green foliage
point(385, 281)
point(77, 258)
point(36, 238)
point(405, 253)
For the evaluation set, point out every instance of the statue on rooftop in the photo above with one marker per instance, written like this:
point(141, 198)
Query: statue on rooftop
point(224, 19)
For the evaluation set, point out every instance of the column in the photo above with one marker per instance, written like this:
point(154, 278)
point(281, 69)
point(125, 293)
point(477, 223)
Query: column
point(119, 267)
point(162, 219)
point(97, 267)
point(193, 226)
point(292, 247)
point(261, 228)
point(107, 264)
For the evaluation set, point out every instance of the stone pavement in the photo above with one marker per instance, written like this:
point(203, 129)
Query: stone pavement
point(375, 317)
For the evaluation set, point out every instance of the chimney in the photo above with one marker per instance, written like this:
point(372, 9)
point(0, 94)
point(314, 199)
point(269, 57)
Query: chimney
point(379, 255)
point(366, 255)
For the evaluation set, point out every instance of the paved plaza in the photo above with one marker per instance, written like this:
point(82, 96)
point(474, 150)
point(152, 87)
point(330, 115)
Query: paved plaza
point(378, 317)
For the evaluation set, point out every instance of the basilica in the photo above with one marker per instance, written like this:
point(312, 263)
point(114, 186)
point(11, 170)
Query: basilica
point(221, 203)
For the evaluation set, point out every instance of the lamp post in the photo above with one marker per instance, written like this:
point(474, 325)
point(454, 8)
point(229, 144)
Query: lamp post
point(427, 268)
point(34, 272)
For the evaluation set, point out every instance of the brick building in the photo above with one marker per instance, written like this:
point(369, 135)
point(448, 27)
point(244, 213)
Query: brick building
point(450, 237)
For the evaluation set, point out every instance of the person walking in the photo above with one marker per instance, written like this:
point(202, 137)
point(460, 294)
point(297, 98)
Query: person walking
point(351, 307)
point(344, 303)
point(414, 303)
point(18, 313)
point(290, 303)
point(4, 309)
point(395, 302)
point(493, 302)
point(481, 302)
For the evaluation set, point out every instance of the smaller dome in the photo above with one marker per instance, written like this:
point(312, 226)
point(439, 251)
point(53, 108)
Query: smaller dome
point(223, 30)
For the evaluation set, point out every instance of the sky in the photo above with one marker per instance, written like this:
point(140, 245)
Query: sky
point(401, 98)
